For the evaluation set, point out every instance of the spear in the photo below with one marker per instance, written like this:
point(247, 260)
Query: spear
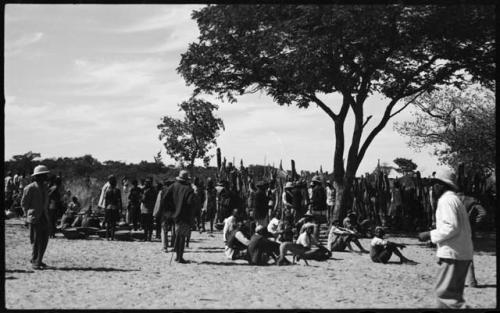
point(294, 172)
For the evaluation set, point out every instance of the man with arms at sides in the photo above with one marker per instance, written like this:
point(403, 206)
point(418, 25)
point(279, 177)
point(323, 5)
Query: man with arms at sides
point(35, 204)
point(180, 196)
point(454, 241)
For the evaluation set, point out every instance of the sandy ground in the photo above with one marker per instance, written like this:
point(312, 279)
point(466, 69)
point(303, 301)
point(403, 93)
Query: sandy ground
point(100, 274)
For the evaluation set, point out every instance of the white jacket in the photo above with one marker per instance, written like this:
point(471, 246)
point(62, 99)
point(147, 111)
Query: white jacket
point(453, 233)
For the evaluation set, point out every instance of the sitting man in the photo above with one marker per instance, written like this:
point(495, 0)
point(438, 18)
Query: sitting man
point(307, 240)
point(381, 250)
point(272, 227)
point(237, 242)
point(260, 249)
point(229, 223)
point(351, 222)
point(339, 238)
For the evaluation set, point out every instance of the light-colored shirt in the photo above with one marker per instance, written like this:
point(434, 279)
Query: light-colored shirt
point(453, 232)
point(306, 240)
point(102, 197)
point(272, 227)
point(376, 241)
point(228, 227)
point(35, 203)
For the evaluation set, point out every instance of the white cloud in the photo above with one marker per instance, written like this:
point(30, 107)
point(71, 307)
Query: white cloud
point(16, 46)
point(168, 17)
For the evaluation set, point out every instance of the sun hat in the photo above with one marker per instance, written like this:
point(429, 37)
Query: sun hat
point(40, 170)
point(289, 185)
point(183, 176)
point(447, 177)
point(316, 178)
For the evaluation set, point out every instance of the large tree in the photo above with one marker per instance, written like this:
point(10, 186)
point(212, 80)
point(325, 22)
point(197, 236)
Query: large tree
point(192, 137)
point(298, 53)
point(459, 124)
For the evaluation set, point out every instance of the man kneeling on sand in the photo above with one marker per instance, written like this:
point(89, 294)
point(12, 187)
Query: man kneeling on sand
point(339, 238)
point(261, 249)
point(381, 250)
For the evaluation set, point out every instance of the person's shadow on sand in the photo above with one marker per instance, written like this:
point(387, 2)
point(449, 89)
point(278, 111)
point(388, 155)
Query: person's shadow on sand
point(96, 269)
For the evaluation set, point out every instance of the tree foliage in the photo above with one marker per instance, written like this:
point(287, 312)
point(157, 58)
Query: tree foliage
point(460, 125)
point(298, 53)
point(405, 166)
point(191, 138)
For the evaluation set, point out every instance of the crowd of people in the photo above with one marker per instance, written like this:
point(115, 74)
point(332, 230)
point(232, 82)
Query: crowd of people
point(256, 229)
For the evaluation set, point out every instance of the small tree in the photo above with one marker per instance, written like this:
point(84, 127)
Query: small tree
point(459, 125)
point(405, 166)
point(191, 138)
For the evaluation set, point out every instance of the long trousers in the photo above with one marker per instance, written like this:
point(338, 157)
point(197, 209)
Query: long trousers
point(53, 221)
point(450, 283)
point(39, 238)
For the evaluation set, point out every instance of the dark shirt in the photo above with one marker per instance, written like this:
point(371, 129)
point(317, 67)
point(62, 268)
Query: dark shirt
point(318, 198)
point(259, 248)
point(135, 195)
point(113, 197)
point(180, 196)
point(148, 199)
point(261, 207)
point(55, 202)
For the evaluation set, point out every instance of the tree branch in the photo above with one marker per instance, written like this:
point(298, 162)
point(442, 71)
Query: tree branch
point(367, 120)
point(407, 104)
point(323, 106)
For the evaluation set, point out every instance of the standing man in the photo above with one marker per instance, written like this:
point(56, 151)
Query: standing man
point(35, 204)
point(454, 242)
point(147, 206)
point(180, 195)
point(318, 203)
point(113, 207)
point(261, 202)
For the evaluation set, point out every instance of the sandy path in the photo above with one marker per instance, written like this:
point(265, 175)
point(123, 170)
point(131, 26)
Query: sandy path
point(99, 274)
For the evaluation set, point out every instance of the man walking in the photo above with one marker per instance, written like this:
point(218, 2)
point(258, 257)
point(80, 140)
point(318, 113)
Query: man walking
point(35, 204)
point(180, 196)
point(454, 242)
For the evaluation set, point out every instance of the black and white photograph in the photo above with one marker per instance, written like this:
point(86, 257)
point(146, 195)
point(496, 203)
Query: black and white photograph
point(250, 156)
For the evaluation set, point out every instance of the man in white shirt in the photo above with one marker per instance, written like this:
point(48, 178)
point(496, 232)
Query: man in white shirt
point(454, 242)
point(381, 250)
point(307, 240)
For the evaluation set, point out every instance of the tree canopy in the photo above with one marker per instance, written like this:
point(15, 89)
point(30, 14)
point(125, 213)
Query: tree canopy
point(405, 166)
point(460, 125)
point(191, 138)
point(298, 53)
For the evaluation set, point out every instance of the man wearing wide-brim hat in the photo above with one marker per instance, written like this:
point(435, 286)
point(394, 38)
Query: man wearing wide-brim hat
point(179, 199)
point(35, 204)
point(454, 242)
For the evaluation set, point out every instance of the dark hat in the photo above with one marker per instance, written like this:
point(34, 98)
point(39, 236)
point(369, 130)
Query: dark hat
point(379, 231)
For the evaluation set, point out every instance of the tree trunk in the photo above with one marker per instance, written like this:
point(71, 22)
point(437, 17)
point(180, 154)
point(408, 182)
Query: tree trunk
point(343, 199)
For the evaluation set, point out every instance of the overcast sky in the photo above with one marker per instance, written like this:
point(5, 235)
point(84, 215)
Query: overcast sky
point(95, 79)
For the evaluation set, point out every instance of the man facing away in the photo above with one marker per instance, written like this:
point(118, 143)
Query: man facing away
point(454, 242)
point(35, 204)
point(180, 196)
